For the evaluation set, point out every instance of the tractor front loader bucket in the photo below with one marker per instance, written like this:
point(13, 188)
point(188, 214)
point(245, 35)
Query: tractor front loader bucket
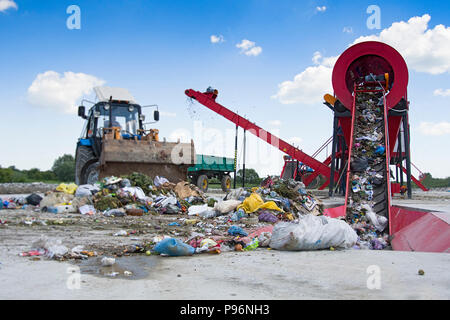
point(153, 158)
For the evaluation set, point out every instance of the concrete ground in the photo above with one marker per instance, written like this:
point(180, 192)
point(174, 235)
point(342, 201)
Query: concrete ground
point(260, 274)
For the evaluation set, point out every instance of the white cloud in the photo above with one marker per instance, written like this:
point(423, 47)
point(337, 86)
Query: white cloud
point(434, 129)
point(321, 9)
point(424, 49)
point(309, 86)
point(61, 92)
point(441, 92)
point(249, 48)
point(275, 123)
point(7, 4)
point(348, 30)
point(217, 39)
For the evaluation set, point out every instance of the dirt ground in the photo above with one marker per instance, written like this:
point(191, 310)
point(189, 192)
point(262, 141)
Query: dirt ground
point(259, 274)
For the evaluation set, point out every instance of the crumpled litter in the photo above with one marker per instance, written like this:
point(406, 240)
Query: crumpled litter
point(67, 188)
point(254, 202)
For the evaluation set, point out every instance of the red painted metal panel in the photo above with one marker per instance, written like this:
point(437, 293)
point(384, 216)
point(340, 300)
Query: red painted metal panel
point(401, 217)
point(395, 188)
point(429, 233)
point(350, 148)
point(334, 212)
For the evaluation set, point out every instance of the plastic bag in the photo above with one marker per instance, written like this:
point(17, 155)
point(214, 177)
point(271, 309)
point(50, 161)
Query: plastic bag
point(174, 247)
point(379, 222)
point(115, 213)
point(165, 201)
point(238, 215)
point(313, 233)
point(359, 164)
point(197, 210)
point(254, 202)
point(67, 188)
point(159, 181)
point(267, 216)
point(226, 206)
point(235, 194)
point(33, 199)
point(86, 190)
point(87, 210)
point(237, 231)
point(135, 192)
point(53, 247)
point(264, 239)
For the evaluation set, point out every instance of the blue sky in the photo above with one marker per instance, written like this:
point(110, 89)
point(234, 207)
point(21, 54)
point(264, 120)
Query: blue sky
point(157, 49)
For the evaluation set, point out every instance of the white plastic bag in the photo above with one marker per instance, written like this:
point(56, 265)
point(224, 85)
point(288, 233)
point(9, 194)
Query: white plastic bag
point(198, 210)
point(159, 181)
point(313, 233)
point(226, 206)
point(86, 190)
point(379, 222)
point(53, 247)
point(135, 192)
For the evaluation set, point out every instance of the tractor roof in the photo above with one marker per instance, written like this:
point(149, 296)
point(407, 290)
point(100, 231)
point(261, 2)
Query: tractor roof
point(118, 94)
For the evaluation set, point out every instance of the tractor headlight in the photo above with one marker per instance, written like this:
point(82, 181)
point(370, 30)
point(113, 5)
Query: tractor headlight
point(106, 107)
point(96, 114)
point(142, 117)
point(131, 108)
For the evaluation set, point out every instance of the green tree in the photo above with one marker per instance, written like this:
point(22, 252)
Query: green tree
point(6, 175)
point(251, 176)
point(431, 182)
point(64, 168)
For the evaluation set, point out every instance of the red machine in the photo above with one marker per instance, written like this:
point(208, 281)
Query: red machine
point(363, 67)
point(370, 67)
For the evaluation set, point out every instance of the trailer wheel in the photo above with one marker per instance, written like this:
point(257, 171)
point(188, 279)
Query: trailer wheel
point(202, 182)
point(226, 183)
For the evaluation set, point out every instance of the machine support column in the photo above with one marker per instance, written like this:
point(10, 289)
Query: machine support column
point(243, 164)
point(235, 156)
point(400, 155)
point(333, 155)
point(408, 154)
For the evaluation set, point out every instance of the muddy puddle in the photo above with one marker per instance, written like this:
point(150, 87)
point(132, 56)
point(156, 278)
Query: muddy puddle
point(130, 267)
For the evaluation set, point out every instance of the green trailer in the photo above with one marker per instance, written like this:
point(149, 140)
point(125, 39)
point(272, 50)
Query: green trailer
point(208, 167)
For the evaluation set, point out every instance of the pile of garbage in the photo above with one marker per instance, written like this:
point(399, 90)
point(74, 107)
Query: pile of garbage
point(280, 214)
point(19, 202)
point(368, 155)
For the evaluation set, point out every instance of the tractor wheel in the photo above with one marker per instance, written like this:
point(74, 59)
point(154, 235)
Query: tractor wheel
point(202, 182)
point(91, 173)
point(84, 155)
point(226, 183)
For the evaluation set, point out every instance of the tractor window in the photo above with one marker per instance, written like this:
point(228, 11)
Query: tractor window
point(121, 117)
